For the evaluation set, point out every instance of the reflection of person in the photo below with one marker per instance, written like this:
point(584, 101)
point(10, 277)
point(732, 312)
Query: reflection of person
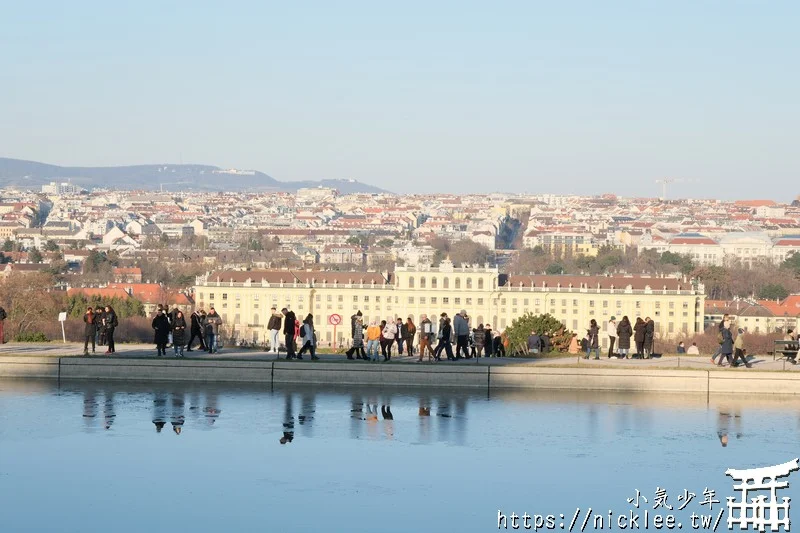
point(723, 426)
point(177, 416)
point(288, 420)
point(108, 410)
point(159, 411)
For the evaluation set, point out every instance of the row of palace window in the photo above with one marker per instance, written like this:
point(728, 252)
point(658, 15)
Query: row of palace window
point(423, 281)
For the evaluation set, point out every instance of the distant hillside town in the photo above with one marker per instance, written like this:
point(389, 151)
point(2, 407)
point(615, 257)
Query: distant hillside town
point(575, 257)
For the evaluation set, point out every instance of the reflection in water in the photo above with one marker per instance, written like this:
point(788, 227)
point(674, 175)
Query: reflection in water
point(159, 410)
point(288, 420)
point(728, 420)
point(441, 416)
point(176, 414)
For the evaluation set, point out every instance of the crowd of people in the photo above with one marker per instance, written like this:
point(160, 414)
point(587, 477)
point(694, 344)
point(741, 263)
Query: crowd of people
point(170, 329)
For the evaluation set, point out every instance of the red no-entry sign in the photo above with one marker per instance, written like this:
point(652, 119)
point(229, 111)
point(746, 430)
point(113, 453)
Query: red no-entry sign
point(334, 320)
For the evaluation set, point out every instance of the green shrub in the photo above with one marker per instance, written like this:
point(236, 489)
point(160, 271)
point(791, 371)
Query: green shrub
point(31, 336)
point(521, 328)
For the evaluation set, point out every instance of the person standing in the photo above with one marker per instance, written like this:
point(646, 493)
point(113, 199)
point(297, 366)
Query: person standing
point(111, 322)
point(274, 327)
point(288, 331)
point(488, 340)
point(624, 334)
point(178, 333)
point(409, 331)
point(399, 338)
point(89, 330)
point(373, 341)
point(196, 331)
point(480, 339)
point(649, 337)
point(100, 316)
point(353, 319)
point(612, 335)
point(534, 343)
point(593, 342)
point(358, 341)
point(161, 331)
point(425, 337)
point(461, 329)
point(3, 316)
point(389, 334)
point(309, 341)
point(638, 336)
point(213, 322)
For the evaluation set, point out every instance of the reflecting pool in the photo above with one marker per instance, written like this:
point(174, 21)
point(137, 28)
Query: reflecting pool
point(90, 456)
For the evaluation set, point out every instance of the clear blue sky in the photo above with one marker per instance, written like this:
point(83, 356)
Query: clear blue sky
point(572, 97)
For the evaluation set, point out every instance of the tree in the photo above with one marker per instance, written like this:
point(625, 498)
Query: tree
point(554, 269)
point(8, 245)
point(792, 263)
point(35, 256)
point(717, 281)
point(773, 291)
point(461, 253)
point(51, 246)
point(29, 300)
point(385, 243)
point(521, 328)
point(683, 262)
point(94, 261)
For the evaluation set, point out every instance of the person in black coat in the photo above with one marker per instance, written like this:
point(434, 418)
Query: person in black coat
point(196, 330)
point(488, 341)
point(649, 336)
point(161, 328)
point(111, 322)
point(178, 333)
point(638, 336)
point(89, 330)
point(624, 334)
point(288, 332)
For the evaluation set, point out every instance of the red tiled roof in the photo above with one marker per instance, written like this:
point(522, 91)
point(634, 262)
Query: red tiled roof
point(619, 282)
point(276, 276)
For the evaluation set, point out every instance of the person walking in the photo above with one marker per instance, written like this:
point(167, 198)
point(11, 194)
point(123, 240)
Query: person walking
point(444, 341)
point(624, 334)
point(274, 327)
point(612, 335)
point(89, 330)
point(649, 337)
point(461, 330)
point(593, 342)
point(289, 331)
point(196, 331)
point(739, 349)
point(373, 341)
point(213, 322)
point(178, 333)
point(309, 340)
point(638, 336)
point(724, 323)
point(480, 339)
point(426, 336)
point(408, 332)
point(437, 352)
point(111, 323)
point(161, 331)
point(727, 346)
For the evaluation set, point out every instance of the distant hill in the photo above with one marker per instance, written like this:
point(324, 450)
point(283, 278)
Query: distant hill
point(32, 175)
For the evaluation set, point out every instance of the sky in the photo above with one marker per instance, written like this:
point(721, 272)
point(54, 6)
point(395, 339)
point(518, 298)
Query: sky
point(580, 97)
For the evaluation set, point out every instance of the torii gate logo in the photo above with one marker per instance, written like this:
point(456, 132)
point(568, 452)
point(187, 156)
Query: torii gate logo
point(759, 512)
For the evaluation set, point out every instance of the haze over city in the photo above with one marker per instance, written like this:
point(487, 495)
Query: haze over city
point(585, 98)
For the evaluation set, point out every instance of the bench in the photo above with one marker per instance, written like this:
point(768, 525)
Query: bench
point(787, 349)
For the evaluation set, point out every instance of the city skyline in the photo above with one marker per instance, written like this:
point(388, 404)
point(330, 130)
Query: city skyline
point(518, 98)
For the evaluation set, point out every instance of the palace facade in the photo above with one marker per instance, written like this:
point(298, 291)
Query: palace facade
point(244, 297)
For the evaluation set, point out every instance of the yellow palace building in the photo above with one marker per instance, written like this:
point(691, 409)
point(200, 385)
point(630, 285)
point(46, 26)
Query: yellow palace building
point(244, 298)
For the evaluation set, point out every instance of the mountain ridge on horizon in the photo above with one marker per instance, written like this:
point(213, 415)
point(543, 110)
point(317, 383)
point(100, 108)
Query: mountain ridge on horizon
point(33, 174)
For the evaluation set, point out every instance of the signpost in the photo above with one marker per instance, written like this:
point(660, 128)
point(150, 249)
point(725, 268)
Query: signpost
point(334, 320)
point(62, 317)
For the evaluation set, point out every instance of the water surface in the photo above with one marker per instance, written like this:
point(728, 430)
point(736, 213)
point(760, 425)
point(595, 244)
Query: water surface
point(89, 456)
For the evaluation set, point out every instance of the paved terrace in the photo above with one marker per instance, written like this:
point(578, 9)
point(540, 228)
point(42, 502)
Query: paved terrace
point(145, 351)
